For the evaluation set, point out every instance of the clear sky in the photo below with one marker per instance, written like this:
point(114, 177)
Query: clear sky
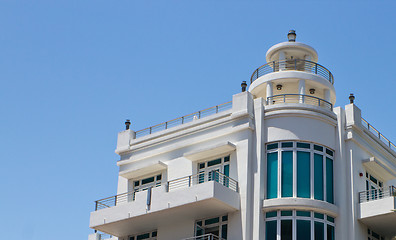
point(72, 71)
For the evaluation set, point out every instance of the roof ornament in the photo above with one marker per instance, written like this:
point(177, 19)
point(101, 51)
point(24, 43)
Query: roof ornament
point(292, 36)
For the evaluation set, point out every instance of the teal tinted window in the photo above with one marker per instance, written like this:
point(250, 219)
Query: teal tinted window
point(286, 230)
point(227, 170)
point(303, 213)
point(330, 219)
point(270, 230)
point(143, 236)
point(212, 220)
point(272, 146)
point(227, 159)
point(303, 145)
point(272, 175)
point(287, 144)
point(287, 174)
point(319, 215)
point(318, 148)
point(270, 214)
point(319, 231)
point(329, 181)
point(318, 177)
point(303, 229)
point(303, 175)
point(330, 232)
point(286, 213)
point(224, 231)
point(214, 162)
point(199, 223)
point(328, 151)
point(148, 180)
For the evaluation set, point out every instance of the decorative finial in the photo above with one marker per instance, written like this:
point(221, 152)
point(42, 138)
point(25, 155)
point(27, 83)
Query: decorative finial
point(292, 36)
point(243, 85)
point(127, 124)
point(351, 98)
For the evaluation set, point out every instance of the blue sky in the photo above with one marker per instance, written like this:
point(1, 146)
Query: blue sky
point(71, 72)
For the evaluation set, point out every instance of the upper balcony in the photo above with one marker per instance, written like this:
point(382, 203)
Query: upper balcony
point(196, 196)
point(377, 210)
point(293, 65)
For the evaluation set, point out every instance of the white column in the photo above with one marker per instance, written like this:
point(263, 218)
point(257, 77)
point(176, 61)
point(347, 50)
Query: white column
point(282, 59)
point(301, 89)
point(269, 93)
point(327, 95)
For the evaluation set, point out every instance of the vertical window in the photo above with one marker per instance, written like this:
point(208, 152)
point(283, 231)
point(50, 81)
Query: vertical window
point(319, 231)
point(303, 175)
point(303, 229)
point(329, 181)
point(286, 230)
point(318, 176)
point(216, 226)
point(272, 175)
point(330, 232)
point(270, 230)
point(287, 174)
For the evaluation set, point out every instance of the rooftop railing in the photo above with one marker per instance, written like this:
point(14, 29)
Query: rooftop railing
point(379, 135)
point(299, 98)
point(209, 236)
point(185, 119)
point(375, 194)
point(293, 64)
point(183, 182)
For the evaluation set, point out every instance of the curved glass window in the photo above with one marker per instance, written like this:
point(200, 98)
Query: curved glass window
point(300, 169)
point(298, 225)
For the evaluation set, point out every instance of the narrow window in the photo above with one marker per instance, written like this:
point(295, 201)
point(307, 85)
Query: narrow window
point(272, 175)
point(303, 229)
point(303, 175)
point(318, 176)
point(329, 180)
point(286, 230)
point(270, 228)
point(330, 232)
point(319, 231)
point(287, 174)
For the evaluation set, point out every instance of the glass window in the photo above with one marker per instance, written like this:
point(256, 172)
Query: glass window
point(303, 175)
point(319, 231)
point(287, 174)
point(303, 145)
point(270, 230)
point(286, 213)
point(328, 151)
point(287, 144)
point(329, 181)
point(272, 175)
point(148, 180)
point(216, 226)
point(286, 230)
point(303, 229)
point(272, 146)
point(318, 176)
point(270, 214)
point(319, 215)
point(214, 162)
point(303, 213)
point(211, 221)
point(318, 148)
point(330, 232)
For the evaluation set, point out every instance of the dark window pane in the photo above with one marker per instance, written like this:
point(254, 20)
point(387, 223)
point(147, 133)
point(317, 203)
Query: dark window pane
point(318, 148)
point(148, 180)
point(212, 220)
point(131, 238)
point(272, 146)
point(143, 236)
point(286, 230)
point(328, 151)
point(159, 177)
point(330, 219)
point(303, 175)
point(227, 159)
point(287, 144)
point(286, 213)
point(214, 162)
point(303, 145)
point(272, 175)
point(303, 213)
point(199, 223)
point(319, 231)
point(224, 231)
point(270, 214)
point(373, 179)
point(287, 174)
point(224, 218)
point(154, 234)
point(330, 232)
point(329, 181)
point(319, 215)
point(270, 230)
point(201, 165)
point(136, 183)
point(318, 177)
point(303, 229)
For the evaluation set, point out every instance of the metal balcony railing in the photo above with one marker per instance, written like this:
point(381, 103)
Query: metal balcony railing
point(183, 182)
point(379, 135)
point(185, 119)
point(375, 194)
point(299, 98)
point(294, 64)
point(201, 178)
point(104, 236)
point(209, 236)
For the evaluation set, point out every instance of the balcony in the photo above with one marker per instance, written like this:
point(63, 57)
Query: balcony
point(196, 196)
point(294, 65)
point(299, 98)
point(377, 210)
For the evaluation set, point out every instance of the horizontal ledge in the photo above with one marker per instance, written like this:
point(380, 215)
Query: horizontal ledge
point(300, 204)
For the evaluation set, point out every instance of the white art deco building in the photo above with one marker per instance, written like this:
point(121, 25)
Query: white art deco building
point(278, 162)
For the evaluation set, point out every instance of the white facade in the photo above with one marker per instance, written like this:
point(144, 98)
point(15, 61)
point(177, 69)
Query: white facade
point(277, 162)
